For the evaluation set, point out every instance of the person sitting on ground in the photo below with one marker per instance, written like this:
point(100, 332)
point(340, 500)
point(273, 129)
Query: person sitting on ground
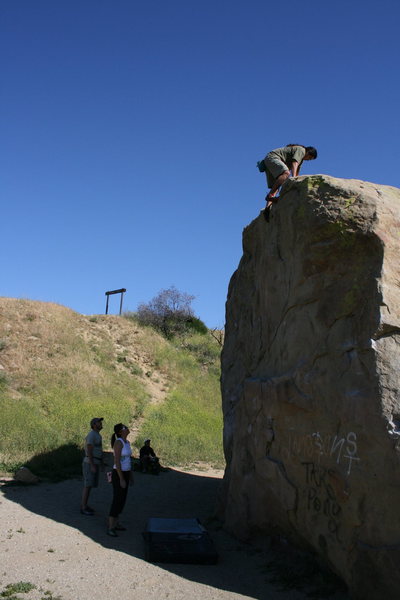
point(278, 165)
point(148, 459)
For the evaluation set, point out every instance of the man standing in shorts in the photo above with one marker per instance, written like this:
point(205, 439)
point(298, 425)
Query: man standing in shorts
point(92, 462)
point(278, 164)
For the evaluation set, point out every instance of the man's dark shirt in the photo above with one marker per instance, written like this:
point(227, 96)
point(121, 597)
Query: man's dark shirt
point(147, 451)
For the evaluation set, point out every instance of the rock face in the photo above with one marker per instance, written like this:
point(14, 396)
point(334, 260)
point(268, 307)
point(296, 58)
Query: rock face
point(311, 378)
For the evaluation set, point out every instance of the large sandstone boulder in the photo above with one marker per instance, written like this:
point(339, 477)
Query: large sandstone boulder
point(311, 378)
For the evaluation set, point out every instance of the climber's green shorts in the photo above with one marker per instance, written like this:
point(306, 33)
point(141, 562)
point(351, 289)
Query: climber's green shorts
point(274, 167)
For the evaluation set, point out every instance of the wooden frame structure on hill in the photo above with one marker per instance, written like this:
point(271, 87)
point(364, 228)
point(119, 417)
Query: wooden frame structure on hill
point(108, 294)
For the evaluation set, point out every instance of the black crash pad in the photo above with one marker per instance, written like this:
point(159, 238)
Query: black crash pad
point(178, 541)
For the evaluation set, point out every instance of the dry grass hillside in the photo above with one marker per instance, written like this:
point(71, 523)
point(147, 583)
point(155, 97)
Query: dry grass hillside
point(44, 337)
point(58, 369)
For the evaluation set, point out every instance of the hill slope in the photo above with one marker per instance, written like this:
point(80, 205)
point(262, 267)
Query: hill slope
point(58, 369)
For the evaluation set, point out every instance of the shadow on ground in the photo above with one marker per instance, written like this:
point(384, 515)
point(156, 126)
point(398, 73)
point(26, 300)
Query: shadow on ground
point(174, 494)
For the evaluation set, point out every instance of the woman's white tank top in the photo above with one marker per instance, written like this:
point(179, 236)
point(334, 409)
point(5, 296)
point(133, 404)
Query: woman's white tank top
point(126, 454)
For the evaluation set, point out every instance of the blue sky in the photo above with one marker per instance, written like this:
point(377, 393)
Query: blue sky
point(130, 132)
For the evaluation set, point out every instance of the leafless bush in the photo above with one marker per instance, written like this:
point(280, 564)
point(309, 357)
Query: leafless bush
point(169, 311)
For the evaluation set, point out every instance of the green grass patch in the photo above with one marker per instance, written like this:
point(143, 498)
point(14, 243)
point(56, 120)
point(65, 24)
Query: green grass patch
point(22, 587)
point(61, 463)
point(72, 368)
point(3, 380)
point(55, 418)
point(187, 427)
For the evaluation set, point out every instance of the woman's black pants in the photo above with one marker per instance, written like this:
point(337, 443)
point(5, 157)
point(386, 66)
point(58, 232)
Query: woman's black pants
point(120, 493)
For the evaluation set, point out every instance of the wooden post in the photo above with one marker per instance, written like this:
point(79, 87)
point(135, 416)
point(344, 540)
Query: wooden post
point(120, 306)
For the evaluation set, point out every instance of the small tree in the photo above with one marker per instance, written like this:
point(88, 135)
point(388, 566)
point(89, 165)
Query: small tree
point(218, 334)
point(170, 311)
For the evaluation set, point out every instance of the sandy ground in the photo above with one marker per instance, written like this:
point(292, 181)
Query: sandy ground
point(45, 540)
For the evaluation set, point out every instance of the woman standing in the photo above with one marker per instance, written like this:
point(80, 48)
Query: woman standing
point(121, 476)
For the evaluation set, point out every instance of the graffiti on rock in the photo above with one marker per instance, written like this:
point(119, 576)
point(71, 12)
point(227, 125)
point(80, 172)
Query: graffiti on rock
point(321, 498)
point(341, 449)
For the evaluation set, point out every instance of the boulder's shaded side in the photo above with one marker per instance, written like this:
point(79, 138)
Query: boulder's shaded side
point(311, 378)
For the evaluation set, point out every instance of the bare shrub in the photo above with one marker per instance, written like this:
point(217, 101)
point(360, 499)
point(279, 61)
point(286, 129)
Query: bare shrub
point(170, 312)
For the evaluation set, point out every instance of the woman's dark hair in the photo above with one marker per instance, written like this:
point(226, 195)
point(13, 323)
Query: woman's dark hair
point(310, 150)
point(117, 429)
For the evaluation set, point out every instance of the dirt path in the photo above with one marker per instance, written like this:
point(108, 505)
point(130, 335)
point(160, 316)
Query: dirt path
point(44, 540)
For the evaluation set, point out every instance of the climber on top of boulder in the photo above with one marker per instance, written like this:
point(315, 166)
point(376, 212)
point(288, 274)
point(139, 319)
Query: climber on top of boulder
point(279, 163)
